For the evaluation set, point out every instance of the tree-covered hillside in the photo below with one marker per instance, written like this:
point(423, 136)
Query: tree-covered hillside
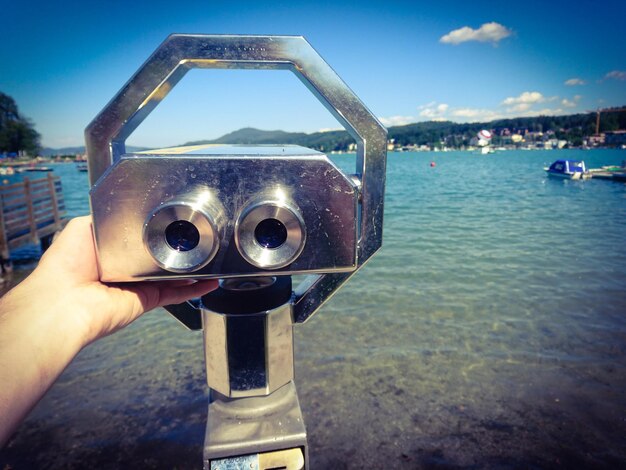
point(17, 134)
point(572, 128)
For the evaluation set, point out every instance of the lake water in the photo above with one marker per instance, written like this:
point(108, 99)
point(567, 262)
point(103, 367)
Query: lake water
point(490, 331)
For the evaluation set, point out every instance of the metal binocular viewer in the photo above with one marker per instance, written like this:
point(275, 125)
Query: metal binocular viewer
point(250, 216)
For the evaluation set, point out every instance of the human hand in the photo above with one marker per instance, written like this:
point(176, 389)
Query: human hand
point(59, 309)
point(66, 282)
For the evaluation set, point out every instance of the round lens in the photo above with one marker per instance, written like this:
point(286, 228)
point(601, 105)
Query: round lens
point(182, 235)
point(270, 233)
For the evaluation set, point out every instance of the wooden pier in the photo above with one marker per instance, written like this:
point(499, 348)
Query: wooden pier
point(31, 211)
point(610, 172)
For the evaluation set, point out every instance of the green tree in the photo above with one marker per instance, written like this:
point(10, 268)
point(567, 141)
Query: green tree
point(17, 133)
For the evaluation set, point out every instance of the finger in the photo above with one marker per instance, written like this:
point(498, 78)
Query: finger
point(171, 294)
point(73, 250)
point(178, 282)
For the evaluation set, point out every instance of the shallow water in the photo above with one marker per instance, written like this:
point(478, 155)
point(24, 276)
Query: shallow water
point(490, 331)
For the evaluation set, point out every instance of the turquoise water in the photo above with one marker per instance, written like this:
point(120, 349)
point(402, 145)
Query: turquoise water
point(490, 331)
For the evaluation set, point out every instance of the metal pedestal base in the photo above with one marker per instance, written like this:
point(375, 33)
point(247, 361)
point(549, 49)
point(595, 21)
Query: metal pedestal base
point(256, 433)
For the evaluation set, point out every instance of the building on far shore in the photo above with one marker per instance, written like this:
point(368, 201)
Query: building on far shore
point(615, 138)
point(595, 140)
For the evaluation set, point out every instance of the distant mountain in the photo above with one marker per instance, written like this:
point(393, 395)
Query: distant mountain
point(325, 141)
point(50, 152)
point(249, 135)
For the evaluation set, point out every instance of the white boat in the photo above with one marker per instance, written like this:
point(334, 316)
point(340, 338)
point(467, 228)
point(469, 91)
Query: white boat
point(34, 168)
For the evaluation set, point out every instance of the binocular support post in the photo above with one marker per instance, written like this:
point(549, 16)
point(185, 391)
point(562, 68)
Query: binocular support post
point(258, 433)
point(254, 418)
point(250, 216)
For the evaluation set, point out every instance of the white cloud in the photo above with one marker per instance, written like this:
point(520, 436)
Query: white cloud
point(488, 32)
point(520, 108)
point(486, 115)
point(528, 97)
point(616, 75)
point(525, 104)
point(571, 103)
point(427, 105)
point(397, 120)
point(475, 114)
point(575, 81)
point(546, 112)
point(433, 111)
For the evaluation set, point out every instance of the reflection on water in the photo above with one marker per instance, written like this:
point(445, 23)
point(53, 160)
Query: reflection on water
point(488, 332)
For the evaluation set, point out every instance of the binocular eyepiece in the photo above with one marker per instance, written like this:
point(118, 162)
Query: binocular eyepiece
point(270, 234)
point(183, 236)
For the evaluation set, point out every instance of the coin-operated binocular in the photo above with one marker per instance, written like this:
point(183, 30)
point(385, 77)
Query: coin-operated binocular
point(250, 216)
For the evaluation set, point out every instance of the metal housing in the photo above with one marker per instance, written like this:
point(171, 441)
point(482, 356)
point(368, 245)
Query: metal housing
point(139, 185)
point(106, 134)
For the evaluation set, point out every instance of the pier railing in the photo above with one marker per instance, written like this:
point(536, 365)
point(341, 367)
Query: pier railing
point(31, 211)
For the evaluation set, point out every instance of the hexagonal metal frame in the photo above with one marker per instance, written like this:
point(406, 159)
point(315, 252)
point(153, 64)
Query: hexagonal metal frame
point(105, 136)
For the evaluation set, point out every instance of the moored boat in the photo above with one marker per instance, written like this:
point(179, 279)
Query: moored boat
point(568, 169)
point(34, 168)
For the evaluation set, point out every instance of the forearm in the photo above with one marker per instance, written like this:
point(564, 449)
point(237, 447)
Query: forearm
point(36, 345)
point(59, 309)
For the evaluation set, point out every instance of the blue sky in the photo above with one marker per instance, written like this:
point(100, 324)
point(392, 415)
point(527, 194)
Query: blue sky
point(407, 61)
